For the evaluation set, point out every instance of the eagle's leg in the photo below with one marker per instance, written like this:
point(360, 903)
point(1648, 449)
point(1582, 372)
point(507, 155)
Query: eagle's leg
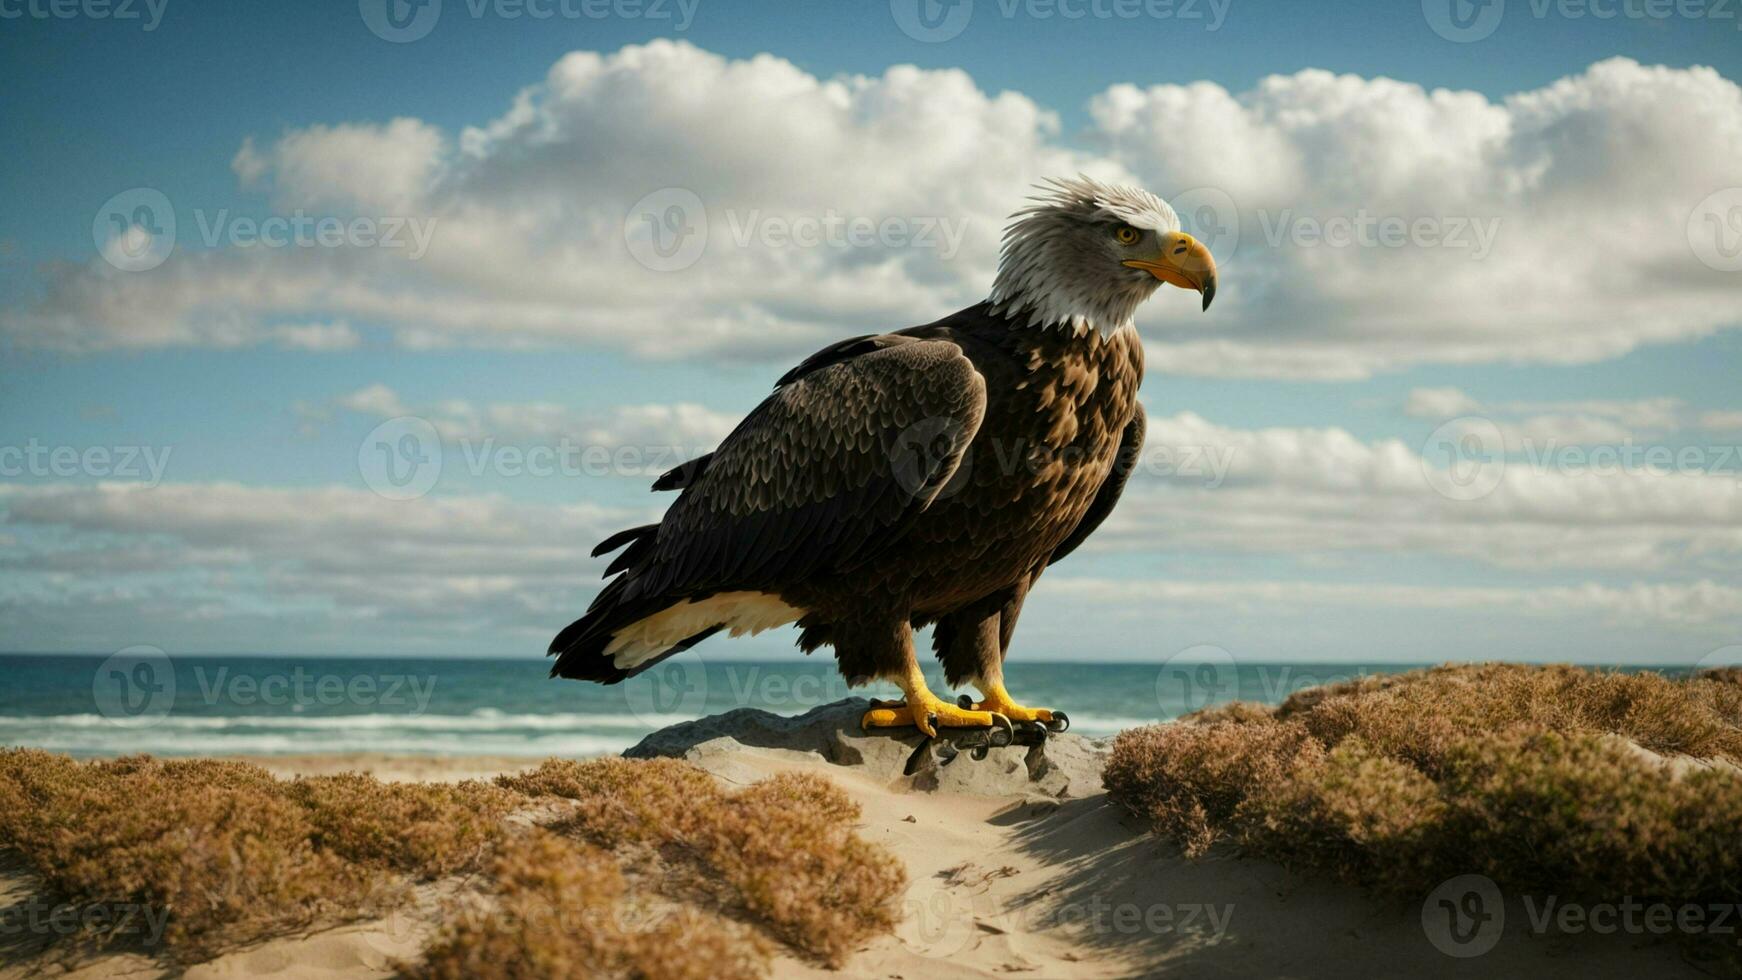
point(923, 709)
point(994, 698)
point(971, 643)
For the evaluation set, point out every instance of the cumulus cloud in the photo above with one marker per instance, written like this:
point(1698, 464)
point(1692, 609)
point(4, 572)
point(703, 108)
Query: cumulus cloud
point(1589, 187)
point(230, 566)
point(337, 560)
point(1531, 424)
point(1691, 604)
point(862, 203)
point(831, 206)
point(1323, 493)
point(680, 425)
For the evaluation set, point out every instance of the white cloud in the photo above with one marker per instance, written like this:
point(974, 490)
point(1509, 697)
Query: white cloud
point(1683, 604)
point(1535, 424)
point(331, 558)
point(316, 336)
point(375, 169)
point(1721, 421)
point(682, 426)
point(1591, 179)
point(1322, 493)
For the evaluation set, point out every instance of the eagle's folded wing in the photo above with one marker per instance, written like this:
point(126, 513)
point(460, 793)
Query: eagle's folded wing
point(824, 473)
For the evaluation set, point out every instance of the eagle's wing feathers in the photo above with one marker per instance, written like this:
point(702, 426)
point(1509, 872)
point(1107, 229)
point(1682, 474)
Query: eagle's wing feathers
point(1130, 448)
point(827, 471)
point(826, 468)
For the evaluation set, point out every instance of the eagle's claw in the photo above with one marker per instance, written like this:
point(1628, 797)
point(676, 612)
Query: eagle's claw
point(930, 714)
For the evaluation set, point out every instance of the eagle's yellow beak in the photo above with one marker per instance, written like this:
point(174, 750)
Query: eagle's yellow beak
point(1183, 261)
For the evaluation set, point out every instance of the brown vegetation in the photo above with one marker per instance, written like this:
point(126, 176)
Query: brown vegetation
point(1535, 777)
point(784, 848)
point(220, 846)
point(647, 868)
point(562, 910)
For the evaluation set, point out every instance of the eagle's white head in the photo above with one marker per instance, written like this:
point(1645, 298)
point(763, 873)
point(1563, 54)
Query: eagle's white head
point(1085, 254)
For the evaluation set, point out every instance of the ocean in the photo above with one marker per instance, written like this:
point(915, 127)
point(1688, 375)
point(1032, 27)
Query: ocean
point(142, 700)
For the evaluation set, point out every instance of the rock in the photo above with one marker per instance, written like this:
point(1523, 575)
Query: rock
point(1062, 766)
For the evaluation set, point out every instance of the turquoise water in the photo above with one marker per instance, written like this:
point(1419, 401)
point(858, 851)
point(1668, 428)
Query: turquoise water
point(144, 701)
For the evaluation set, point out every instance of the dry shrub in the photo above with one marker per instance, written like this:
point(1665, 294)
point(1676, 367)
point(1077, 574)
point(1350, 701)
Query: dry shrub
point(787, 846)
point(1190, 779)
point(623, 801)
point(559, 910)
point(216, 844)
point(236, 855)
point(1532, 776)
point(1589, 814)
point(1355, 812)
point(1243, 712)
point(423, 829)
point(784, 848)
point(1419, 715)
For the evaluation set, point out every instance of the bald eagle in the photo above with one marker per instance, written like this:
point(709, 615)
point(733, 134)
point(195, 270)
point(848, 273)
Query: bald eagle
point(926, 476)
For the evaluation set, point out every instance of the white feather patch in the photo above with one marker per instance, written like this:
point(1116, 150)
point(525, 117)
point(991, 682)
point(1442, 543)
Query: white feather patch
point(739, 612)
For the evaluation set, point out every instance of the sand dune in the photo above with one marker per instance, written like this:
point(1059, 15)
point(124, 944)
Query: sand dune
point(1018, 866)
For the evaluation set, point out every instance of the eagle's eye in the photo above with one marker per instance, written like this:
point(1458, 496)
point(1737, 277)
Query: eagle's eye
point(1126, 235)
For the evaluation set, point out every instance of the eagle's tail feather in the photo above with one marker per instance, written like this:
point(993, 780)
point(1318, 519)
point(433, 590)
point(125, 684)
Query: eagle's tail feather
point(626, 631)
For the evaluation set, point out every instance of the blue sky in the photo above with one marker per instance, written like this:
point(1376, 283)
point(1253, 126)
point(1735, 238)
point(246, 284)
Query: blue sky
point(264, 374)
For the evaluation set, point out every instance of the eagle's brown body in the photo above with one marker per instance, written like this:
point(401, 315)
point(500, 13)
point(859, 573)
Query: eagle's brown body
point(939, 470)
point(926, 476)
point(1058, 408)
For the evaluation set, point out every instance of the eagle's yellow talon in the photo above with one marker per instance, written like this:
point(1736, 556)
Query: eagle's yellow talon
point(927, 714)
point(1014, 711)
point(996, 699)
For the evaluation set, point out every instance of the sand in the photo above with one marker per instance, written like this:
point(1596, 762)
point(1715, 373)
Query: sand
point(1019, 884)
